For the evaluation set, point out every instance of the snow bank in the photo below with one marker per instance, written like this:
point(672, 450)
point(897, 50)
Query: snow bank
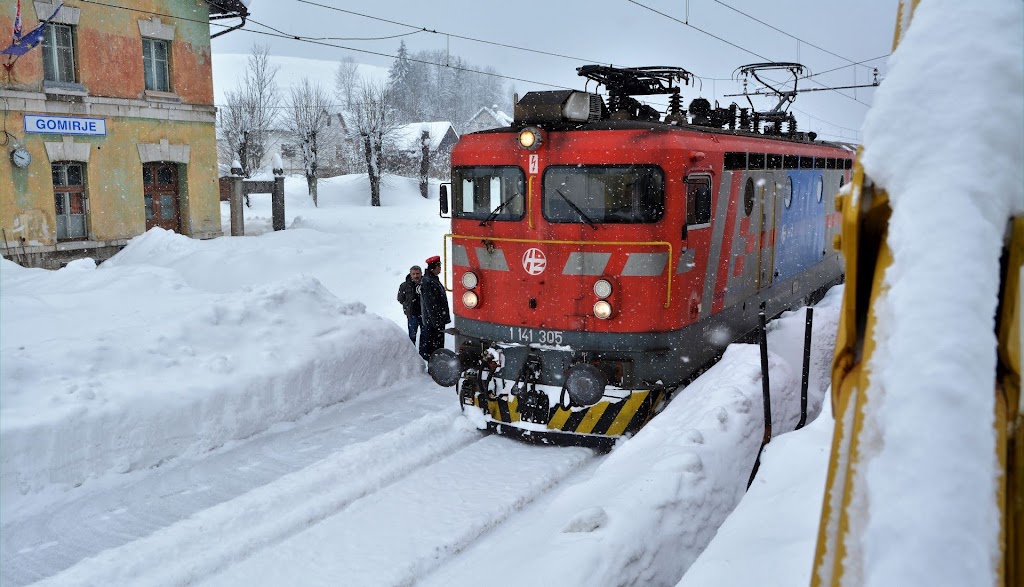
point(950, 161)
point(769, 539)
point(121, 367)
point(652, 506)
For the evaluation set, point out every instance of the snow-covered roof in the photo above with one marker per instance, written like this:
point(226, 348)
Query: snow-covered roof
point(498, 115)
point(408, 136)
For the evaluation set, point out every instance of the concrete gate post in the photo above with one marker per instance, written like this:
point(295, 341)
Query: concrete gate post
point(237, 216)
point(277, 196)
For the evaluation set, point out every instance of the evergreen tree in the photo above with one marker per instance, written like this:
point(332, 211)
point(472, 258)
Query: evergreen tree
point(400, 85)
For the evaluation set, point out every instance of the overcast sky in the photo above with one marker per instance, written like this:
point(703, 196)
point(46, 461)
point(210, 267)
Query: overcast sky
point(621, 32)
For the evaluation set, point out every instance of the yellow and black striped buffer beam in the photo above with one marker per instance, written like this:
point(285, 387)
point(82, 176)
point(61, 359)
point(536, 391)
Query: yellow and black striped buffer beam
point(606, 418)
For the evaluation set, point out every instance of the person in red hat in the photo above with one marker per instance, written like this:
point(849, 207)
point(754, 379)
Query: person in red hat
point(434, 309)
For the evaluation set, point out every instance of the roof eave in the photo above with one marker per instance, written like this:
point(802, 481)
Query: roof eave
point(228, 8)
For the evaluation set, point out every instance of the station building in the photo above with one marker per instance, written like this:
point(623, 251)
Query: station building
point(108, 125)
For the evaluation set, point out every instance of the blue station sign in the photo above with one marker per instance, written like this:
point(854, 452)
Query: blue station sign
point(65, 125)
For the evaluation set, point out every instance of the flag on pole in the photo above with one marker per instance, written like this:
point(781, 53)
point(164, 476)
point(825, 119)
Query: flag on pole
point(32, 38)
point(17, 23)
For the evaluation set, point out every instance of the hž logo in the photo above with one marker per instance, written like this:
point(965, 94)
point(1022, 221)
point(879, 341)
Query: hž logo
point(534, 261)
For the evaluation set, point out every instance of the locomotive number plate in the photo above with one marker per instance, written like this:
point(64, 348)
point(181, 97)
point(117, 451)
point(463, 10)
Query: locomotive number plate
point(528, 335)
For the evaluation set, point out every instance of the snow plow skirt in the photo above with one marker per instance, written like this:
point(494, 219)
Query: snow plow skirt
point(598, 425)
point(601, 443)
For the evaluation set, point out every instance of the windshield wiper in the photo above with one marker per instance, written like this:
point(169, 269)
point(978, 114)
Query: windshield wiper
point(494, 213)
point(577, 209)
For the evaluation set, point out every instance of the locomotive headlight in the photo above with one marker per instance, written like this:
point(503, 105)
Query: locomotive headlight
point(585, 384)
point(530, 138)
point(469, 280)
point(470, 299)
point(603, 310)
point(577, 107)
point(602, 288)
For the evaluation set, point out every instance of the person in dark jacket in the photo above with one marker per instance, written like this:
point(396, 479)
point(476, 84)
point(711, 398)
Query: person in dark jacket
point(434, 309)
point(409, 297)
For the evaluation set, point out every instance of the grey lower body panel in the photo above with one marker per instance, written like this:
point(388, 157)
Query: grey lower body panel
point(666, 358)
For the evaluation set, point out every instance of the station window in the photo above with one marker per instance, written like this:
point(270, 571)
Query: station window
point(755, 161)
point(698, 201)
point(623, 194)
point(156, 64)
point(69, 200)
point(59, 53)
point(495, 193)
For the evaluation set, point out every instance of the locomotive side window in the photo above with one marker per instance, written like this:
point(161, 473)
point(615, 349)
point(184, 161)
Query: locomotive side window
point(755, 161)
point(698, 201)
point(807, 163)
point(790, 162)
point(488, 193)
point(748, 196)
point(623, 194)
point(734, 161)
point(774, 161)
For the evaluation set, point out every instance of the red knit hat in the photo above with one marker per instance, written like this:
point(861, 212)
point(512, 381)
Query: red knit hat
point(434, 259)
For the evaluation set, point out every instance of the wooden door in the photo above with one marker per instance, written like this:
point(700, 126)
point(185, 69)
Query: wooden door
point(160, 188)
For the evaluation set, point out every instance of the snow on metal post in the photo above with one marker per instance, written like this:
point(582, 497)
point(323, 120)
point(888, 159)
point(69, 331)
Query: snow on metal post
point(237, 218)
point(277, 196)
point(766, 395)
point(805, 377)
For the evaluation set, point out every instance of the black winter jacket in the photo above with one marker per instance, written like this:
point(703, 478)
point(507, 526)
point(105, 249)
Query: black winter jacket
point(434, 302)
point(409, 297)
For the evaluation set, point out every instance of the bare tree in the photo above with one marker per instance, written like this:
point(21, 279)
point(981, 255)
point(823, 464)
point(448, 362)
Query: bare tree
point(375, 121)
point(346, 81)
point(250, 113)
point(424, 162)
point(309, 121)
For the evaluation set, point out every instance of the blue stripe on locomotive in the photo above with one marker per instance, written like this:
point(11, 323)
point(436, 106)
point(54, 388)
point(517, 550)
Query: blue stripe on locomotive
point(800, 232)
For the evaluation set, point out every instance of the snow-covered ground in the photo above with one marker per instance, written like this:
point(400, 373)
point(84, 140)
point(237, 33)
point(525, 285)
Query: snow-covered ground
point(249, 410)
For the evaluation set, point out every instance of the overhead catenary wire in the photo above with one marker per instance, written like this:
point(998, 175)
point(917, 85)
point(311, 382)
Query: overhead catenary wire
point(808, 43)
point(727, 42)
point(314, 41)
point(326, 44)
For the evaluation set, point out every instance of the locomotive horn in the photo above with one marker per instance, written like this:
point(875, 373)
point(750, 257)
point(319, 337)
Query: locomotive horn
point(444, 367)
point(585, 384)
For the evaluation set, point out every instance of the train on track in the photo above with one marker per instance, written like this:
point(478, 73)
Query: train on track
point(602, 254)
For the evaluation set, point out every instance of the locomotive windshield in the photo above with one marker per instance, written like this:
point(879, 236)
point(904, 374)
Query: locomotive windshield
point(488, 193)
point(624, 194)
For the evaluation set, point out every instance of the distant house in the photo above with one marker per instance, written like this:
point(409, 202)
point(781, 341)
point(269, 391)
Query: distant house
point(407, 150)
point(486, 119)
point(334, 157)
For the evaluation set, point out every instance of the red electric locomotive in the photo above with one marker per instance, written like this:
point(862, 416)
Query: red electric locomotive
point(602, 254)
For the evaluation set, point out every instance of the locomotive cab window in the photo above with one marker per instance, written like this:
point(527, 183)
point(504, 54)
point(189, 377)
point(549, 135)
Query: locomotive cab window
point(698, 201)
point(488, 193)
point(590, 194)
